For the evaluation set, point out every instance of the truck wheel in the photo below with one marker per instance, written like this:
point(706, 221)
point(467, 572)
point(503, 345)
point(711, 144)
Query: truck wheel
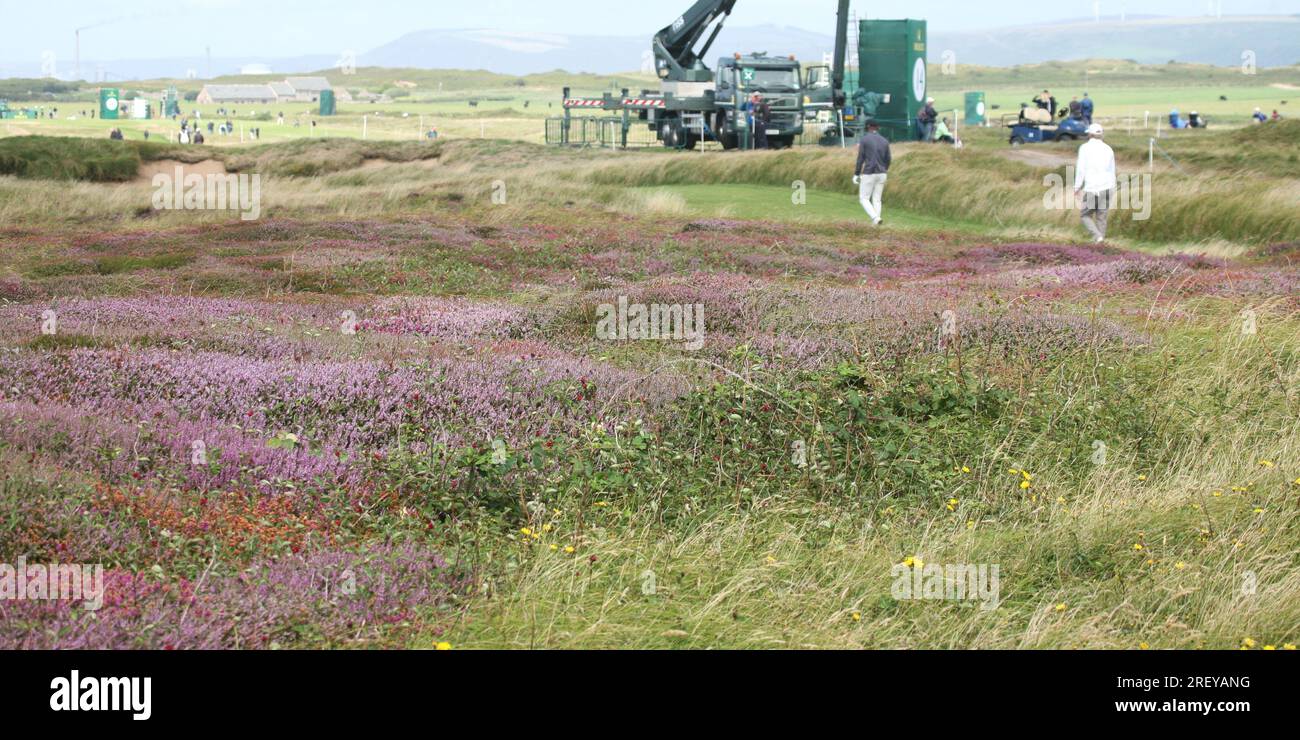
point(782, 142)
point(1017, 141)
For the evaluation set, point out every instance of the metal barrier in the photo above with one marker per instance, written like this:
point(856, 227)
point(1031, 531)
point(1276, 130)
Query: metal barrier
point(599, 132)
point(616, 132)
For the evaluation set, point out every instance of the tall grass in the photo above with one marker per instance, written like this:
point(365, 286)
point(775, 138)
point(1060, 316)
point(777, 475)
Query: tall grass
point(1121, 554)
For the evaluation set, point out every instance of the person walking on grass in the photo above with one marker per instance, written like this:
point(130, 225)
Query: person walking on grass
point(872, 171)
point(1095, 182)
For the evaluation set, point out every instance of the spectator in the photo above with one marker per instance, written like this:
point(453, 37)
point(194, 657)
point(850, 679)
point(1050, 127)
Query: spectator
point(1259, 116)
point(762, 119)
point(925, 121)
point(1076, 109)
point(944, 132)
point(1045, 102)
point(1086, 107)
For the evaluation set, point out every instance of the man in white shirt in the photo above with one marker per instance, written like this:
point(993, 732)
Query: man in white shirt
point(1095, 182)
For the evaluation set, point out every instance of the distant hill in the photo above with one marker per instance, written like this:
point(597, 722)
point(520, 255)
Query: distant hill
point(1149, 40)
point(530, 53)
point(1272, 39)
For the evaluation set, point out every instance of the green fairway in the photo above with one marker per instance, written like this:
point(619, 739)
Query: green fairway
point(771, 203)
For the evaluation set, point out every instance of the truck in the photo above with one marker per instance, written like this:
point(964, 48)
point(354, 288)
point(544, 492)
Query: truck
point(696, 103)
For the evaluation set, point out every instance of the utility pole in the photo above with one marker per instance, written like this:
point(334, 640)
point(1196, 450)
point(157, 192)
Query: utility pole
point(209, 49)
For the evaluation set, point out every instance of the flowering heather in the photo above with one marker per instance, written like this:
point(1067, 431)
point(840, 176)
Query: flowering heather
point(254, 473)
point(137, 441)
point(338, 408)
point(340, 598)
point(451, 319)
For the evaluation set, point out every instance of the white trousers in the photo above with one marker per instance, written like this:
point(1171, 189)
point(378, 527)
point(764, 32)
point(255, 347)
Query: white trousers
point(870, 193)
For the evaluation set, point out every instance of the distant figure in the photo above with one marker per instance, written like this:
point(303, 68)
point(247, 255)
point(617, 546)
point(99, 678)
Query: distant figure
point(872, 171)
point(1276, 116)
point(198, 137)
point(925, 121)
point(1095, 182)
point(1085, 107)
point(1194, 120)
point(1259, 116)
point(185, 136)
point(116, 134)
point(762, 119)
point(146, 135)
point(1045, 101)
point(1076, 109)
point(944, 134)
point(280, 120)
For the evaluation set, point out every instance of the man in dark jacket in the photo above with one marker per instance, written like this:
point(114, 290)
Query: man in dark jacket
point(762, 120)
point(872, 171)
point(1086, 107)
point(925, 121)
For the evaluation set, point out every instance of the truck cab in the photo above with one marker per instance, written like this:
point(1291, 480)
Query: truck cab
point(780, 81)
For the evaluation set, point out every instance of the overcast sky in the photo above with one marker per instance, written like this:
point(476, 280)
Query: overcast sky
point(280, 28)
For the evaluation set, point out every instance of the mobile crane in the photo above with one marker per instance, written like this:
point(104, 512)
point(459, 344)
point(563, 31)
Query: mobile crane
point(696, 103)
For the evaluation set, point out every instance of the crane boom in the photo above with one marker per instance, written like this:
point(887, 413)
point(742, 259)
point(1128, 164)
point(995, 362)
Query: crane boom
point(676, 57)
point(841, 52)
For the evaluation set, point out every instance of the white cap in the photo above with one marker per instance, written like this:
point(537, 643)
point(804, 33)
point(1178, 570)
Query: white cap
point(1096, 130)
point(929, 100)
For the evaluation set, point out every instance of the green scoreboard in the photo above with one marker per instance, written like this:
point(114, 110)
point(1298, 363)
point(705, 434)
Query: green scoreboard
point(891, 60)
point(110, 102)
point(976, 109)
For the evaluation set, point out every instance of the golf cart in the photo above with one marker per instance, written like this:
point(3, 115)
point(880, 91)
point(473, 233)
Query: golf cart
point(1035, 126)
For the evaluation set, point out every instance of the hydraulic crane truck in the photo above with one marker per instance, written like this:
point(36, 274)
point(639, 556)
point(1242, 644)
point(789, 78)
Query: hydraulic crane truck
point(696, 103)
